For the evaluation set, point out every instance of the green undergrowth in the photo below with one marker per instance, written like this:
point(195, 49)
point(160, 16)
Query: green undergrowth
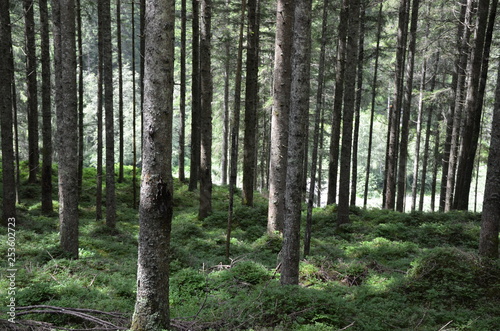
point(383, 271)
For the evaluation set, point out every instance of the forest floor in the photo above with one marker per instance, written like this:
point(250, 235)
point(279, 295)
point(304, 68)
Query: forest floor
point(384, 271)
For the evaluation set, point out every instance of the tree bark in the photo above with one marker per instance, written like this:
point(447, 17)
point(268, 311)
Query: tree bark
point(46, 110)
point(98, 205)
point(348, 113)
point(67, 115)
point(299, 115)
point(7, 71)
point(251, 102)
point(32, 90)
point(206, 110)
point(333, 162)
point(155, 211)
point(490, 219)
point(279, 118)
point(80, 94)
point(194, 173)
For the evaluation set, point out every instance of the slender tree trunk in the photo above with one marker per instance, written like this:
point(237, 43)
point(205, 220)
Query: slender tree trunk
point(372, 111)
point(80, 94)
point(317, 119)
point(251, 102)
point(225, 113)
point(182, 102)
point(474, 101)
point(98, 205)
point(206, 110)
point(120, 89)
point(155, 210)
point(299, 115)
point(348, 113)
point(134, 112)
point(108, 110)
point(67, 115)
point(395, 109)
point(490, 219)
point(32, 90)
point(357, 106)
point(235, 129)
point(279, 118)
point(16, 126)
point(418, 138)
point(333, 163)
point(195, 100)
point(46, 111)
point(7, 71)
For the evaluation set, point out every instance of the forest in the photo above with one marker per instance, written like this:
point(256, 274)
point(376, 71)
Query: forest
point(250, 165)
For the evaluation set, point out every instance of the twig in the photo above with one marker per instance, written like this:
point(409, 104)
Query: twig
point(347, 327)
point(444, 326)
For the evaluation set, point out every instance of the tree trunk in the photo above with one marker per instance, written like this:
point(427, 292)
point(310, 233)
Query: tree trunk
point(182, 102)
point(317, 119)
point(194, 173)
point(206, 110)
point(357, 107)
point(155, 210)
point(98, 205)
point(235, 129)
point(7, 71)
point(299, 115)
point(108, 110)
point(490, 219)
point(251, 102)
point(80, 95)
point(120, 89)
point(348, 113)
point(46, 111)
point(372, 111)
point(134, 108)
point(225, 113)
point(279, 118)
point(474, 100)
point(405, 123)
point(32, 90)
point(67, 115)
point(418, 138)
point(333, 163)
point(395, 109)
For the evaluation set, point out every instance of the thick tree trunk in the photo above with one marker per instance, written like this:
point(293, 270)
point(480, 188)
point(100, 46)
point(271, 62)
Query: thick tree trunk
point(333, 163)
point(348, 113)
point(32, 90)
point(490, 219)
point(46, 111)
point(405, 122)
point(206, 110)
point(7, 71)
point(279, 118)
point(155, 211)
point(474, 100)
point(372, 111)
point(251, 102)
point(395, 109)
point(108, 110)
point(194, 173)
point(67, 115)
point(299, 115)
